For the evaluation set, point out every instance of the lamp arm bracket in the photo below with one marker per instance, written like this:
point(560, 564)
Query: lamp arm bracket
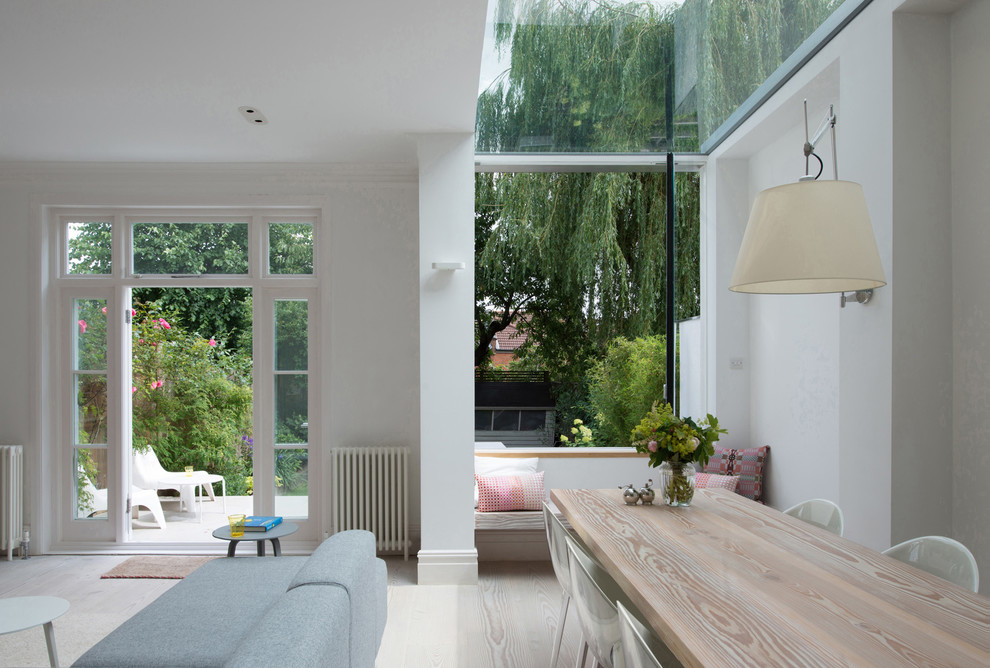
point(860, 296)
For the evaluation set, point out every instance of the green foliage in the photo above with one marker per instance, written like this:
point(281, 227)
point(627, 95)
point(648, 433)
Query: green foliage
point(665, 436)
point(581, 436)
point(190, 248)
point(290, 472)
point(601, 75)
point(739, 43)
point(624, 384)
point(191, 400)
point(290, 248)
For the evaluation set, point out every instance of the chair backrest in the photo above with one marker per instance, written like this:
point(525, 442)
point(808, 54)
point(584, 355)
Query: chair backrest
point(557, 535)
point(146, 471)
point(820, 512)
point(640, 646)
point(947, 558)
point(597, 612)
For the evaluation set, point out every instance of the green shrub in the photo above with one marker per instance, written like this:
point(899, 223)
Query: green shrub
point(624, 385)
point(192, 400)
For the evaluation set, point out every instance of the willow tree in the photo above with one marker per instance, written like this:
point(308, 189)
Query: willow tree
point(583, 254)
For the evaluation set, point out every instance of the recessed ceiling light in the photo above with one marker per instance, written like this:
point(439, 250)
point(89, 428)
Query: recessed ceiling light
point(252, 115)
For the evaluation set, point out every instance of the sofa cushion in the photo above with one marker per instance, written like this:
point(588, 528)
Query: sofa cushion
point(347, 561)
point(305, 628)
point(748, 464)
point(202, 620)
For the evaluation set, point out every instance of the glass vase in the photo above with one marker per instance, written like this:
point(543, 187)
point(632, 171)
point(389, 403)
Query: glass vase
point(677, 483)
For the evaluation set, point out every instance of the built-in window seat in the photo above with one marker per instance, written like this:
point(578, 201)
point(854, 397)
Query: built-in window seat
point(520, 535)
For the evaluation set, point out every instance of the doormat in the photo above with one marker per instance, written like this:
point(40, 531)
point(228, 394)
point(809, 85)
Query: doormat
point(155, 568)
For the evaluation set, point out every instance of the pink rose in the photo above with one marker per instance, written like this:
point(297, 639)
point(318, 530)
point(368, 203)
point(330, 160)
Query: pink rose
point(652, 446)
point(212, 342)
point(82, 326)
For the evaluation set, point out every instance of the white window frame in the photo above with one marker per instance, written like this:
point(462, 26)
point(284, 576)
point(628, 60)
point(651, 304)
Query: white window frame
point(115, 288)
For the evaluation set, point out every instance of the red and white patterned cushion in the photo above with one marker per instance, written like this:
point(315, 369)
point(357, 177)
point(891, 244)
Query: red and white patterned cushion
point(729, 482)
point(747, 464)
point(498, 493)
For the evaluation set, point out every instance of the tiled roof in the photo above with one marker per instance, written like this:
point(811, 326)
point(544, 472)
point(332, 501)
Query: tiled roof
point(509, 339)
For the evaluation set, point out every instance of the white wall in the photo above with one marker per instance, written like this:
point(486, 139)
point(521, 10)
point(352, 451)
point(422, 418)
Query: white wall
point(858, 404)
point(970, 168)
point(922, 274)
point(818, 378)
point(369, 347)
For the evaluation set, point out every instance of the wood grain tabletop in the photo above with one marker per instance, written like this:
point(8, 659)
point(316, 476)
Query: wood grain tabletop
point(728, 581)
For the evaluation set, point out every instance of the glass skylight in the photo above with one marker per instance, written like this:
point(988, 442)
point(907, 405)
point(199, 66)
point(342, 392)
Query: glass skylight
point(617, 76)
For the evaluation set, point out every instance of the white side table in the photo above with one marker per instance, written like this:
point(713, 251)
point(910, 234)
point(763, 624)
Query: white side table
point(25, 612)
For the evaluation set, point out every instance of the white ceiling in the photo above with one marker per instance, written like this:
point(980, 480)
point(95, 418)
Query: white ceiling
point(161, 81)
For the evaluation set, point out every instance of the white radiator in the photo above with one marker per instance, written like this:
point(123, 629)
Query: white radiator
point(11, 498)
point(371, 491)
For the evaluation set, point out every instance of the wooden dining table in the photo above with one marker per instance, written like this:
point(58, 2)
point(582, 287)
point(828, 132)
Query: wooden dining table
point(730, 582)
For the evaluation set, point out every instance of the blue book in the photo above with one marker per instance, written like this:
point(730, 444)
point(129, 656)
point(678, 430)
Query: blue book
point(257, 523)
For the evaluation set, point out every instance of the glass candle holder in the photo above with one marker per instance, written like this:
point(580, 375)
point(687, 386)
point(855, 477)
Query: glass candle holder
point(236, 525)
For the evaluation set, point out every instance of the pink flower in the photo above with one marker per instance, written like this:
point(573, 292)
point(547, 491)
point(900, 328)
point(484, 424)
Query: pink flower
point(133, 312)
point(163, 323)
point(82, 326)
point(104, 309)
point(212, 342)
point(652, 446)
point(133, 389)
point(157, 383)
point(140, 340)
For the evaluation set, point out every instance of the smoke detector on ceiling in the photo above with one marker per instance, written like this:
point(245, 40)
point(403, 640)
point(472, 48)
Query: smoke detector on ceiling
point(252, 115)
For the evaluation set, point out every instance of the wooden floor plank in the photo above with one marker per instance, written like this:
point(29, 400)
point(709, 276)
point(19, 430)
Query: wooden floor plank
point(507, 621)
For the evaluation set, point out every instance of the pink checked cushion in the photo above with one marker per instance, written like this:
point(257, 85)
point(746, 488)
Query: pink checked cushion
point(747, 464)
point(497, 493)
point(729, 482)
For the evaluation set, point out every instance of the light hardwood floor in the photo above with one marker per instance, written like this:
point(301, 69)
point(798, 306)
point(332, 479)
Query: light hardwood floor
point(507, 621)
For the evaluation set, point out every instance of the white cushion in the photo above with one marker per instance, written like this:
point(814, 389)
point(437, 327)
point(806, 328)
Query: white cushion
point(503, 466)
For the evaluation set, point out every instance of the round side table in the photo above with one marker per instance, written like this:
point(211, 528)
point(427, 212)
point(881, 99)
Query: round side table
point(25, 612)
point(259, 537)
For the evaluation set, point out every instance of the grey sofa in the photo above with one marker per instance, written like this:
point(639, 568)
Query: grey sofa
point(327, 609)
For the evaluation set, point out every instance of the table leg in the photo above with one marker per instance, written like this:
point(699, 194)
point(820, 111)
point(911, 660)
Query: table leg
point(276, 547)
point(261, 548)
point(232, 547)
point(50, 641)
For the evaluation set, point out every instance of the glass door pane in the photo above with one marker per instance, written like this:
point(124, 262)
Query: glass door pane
point(291, 409)
point(89, 423)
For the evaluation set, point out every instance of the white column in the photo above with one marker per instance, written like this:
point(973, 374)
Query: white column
point(446, 316)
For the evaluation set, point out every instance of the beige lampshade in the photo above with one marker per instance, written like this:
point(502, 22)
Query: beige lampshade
point(808, 237)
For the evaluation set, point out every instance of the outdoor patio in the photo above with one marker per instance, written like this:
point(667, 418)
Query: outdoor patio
point(187, 527)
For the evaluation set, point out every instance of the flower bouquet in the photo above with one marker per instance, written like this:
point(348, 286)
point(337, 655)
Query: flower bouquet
point(674, 444)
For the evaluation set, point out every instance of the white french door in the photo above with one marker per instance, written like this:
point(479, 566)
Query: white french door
point(95, 347)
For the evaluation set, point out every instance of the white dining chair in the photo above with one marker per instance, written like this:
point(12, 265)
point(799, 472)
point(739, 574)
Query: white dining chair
point(557, 535)
point(947, 558)
point(596, 608)
point(641, 648)
point(820, 512)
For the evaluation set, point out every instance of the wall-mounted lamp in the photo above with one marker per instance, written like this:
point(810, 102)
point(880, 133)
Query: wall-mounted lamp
point(448, 266)
point(810, 237)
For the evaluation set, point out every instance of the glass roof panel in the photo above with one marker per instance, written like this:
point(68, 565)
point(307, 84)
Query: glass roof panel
point(628, 76)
